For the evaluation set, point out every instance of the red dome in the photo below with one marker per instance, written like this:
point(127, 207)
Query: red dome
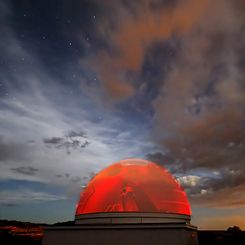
point(133, 185)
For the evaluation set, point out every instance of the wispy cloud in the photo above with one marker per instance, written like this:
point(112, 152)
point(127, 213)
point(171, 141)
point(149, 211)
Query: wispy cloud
point(25, 170)
point(25, 196)
point(72, 140)
point(38, 109)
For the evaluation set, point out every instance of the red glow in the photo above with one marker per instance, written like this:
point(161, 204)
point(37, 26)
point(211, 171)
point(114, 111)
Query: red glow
point(133, 185)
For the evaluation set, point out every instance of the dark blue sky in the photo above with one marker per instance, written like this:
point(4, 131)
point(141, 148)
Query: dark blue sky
point(86, 83)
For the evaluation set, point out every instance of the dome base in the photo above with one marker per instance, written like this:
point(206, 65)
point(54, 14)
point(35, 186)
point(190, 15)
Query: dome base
point(131, 218)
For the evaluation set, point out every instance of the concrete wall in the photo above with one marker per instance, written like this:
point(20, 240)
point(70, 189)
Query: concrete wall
point(120, 236)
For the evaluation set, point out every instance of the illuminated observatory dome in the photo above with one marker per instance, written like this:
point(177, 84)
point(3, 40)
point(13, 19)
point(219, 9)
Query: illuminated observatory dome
point(133, 185)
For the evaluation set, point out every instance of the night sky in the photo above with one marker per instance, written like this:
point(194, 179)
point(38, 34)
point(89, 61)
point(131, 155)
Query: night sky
point(86, 83)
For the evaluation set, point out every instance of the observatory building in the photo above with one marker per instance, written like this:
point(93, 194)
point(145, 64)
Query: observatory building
point(134, 202)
